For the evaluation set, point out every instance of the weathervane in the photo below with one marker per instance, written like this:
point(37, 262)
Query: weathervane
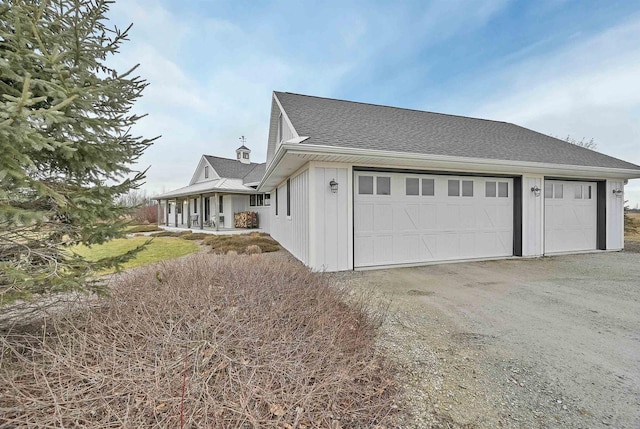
point(243, 140)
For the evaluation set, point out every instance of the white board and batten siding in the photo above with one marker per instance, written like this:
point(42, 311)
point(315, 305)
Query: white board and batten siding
point(615, 215)
point(403, 218)
point(532, 216)
point(292, 232)
point(331, 237)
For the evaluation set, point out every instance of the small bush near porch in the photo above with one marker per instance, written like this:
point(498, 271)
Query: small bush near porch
point(241, 243)
point(243, 341)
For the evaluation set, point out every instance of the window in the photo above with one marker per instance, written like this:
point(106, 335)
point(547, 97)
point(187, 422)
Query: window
point(220, 204)
point(267, 199)
point(195, 205)
point(578, 192)
point(503, 189)
point(383, 185)
point(280, 128)
point(178, 208)
point(490, 189)
point(557, 190)
point(412, 186)
point(365, 185)
point(276, 201)
point(467, 188)
point(206, 171)
point(260, 200)
point(169, 208)
point(288, 197)
point(453, 188)
point(548, 190)
point(238, 156)
point(428, 187)
point(245, 155)
point(587, 195)
point(252, 200)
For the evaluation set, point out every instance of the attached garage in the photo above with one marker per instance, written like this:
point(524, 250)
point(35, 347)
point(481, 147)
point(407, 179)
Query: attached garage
point(387, 187)
point(570, 216)
point(411, 218)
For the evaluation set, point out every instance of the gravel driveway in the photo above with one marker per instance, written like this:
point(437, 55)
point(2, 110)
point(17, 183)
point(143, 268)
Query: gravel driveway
point(543, 343)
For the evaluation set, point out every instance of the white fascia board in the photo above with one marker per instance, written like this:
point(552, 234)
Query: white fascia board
point(469, 164)
point(444, 162)
point(285, 116)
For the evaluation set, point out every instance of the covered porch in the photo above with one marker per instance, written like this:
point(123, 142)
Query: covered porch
point(212, 212)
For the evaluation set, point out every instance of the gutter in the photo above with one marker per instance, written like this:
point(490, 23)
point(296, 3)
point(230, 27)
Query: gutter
point(512, 166)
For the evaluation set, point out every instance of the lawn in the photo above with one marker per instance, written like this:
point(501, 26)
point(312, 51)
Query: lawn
point(160, 249)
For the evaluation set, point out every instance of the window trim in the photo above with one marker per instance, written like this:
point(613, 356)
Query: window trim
point(376, 186)
point(372, 177)
point(206, 171)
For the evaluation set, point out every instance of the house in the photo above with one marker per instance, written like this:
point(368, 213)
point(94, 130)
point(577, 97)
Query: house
point(219, 188)
point(358, 185)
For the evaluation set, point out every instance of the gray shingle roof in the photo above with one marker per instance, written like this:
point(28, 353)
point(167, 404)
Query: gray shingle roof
point(368, 126)
point(234, 169)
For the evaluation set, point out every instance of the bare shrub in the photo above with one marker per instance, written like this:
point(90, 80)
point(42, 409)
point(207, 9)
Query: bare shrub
point(221, 244)
point(203, 342)
point(253, 249)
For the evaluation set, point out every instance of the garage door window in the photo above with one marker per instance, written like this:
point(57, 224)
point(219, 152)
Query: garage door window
point(503, 189)
point(553, 190)
point(412, 186)
point(490, 189)
point(365, 185)
point(383, 185)
point(582, 192)
point(428, 187)
point(467, 188)
point(557, 190)
point(454, 188)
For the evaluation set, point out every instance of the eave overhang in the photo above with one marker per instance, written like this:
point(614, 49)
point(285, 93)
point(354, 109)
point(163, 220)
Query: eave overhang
point(291, 157)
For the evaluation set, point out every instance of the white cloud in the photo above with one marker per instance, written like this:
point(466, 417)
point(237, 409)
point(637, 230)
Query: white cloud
point(587, 89)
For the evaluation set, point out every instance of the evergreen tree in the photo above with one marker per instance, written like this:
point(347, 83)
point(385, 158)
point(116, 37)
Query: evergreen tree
point(66, 148)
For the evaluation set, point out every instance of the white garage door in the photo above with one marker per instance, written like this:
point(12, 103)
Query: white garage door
point(414, 218)
point(570, 216)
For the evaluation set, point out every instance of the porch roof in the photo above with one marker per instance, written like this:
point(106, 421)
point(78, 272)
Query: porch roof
point(232, 186)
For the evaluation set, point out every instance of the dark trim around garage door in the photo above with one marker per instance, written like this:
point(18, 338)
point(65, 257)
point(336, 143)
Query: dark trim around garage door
point(517, 199)
point(601, 226)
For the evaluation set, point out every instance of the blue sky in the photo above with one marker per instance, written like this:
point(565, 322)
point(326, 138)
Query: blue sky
point(558, 67)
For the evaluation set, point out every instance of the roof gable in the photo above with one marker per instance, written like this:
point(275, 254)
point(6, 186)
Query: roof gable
point(338, 123)
point(199, 175)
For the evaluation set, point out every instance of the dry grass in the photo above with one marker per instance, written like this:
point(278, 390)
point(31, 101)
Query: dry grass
point(133, 229)
point(241, 341)
point(222, 244)
point(632, 228)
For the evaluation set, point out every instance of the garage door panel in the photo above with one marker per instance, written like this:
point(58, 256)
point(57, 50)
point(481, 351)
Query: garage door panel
point(401, 229)
point(428, 217)
point(570, 222)
point(383, 217)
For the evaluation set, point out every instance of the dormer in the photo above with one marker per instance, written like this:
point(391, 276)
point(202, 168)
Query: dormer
point(243, 154)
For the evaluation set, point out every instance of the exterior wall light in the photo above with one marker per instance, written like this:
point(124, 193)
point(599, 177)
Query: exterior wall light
point(536, 190)
point(617, 192)
point(333, 185)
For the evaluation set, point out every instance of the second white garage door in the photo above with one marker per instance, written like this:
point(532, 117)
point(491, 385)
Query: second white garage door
point(570, 216)
point(412, 218)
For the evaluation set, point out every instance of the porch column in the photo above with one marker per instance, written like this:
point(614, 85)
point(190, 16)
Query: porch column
point(158, 213)
point(166, 212)
point(216, 211)
point(201, 211)
point(188, 212)
point(175, 213)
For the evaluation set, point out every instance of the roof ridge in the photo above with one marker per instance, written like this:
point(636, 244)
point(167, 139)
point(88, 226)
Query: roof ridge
point(393, 107)
point(233, 159)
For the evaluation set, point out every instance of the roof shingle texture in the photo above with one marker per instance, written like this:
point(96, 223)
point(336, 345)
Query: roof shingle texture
point(368, 126)
point(234, 169)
